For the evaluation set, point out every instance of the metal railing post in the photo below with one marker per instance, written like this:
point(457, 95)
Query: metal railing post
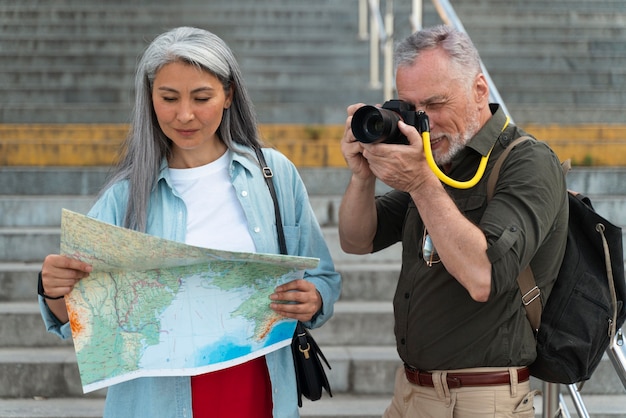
point(375, 31)
point(388, 83)
point(416, 15)
point(551, 401)
point(363, 34)
point(617, 356)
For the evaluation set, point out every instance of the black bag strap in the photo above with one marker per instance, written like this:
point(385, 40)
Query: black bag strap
point(268, 174)
point(526, 279)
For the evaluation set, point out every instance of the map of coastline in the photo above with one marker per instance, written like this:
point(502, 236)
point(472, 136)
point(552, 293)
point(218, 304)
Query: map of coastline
point(155, 307)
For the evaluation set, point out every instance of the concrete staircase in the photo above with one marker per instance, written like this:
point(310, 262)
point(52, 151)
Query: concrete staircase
point(38, 373)
point(72, 61)
point(556, 62)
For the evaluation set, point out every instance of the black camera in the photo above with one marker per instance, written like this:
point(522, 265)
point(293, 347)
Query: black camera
point(371, 124)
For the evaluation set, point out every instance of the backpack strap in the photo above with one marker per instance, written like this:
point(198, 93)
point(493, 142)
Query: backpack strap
point(526, 279)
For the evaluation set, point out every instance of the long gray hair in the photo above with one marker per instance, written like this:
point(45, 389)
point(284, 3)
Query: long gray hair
point(456, 44)
point(146, 145)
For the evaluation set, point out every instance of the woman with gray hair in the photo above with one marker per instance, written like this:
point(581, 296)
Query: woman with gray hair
point(188, 172)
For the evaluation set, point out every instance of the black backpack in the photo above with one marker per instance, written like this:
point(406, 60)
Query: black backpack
point(588, 301)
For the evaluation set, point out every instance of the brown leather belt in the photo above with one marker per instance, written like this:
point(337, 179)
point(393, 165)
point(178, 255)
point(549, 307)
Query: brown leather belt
point(457, 380)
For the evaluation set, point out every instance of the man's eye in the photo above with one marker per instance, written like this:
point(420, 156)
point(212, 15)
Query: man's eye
point(435, 106)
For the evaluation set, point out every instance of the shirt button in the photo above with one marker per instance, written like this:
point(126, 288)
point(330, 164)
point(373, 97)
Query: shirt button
point(513, 229)
point(244, 193)
point(402, 341)
point(257, 229)
point(407, 295)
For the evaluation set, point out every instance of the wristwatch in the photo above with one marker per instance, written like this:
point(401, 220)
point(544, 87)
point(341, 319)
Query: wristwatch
point(41, 293)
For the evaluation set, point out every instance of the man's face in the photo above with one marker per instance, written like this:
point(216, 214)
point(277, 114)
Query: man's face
point(432, 85)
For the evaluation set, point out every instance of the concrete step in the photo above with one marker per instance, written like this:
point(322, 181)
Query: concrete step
point(366, 282)
point(17, 281)
point(573, 113)
point(57, 407)
point(339, 406)
point(355, 323)
point(45, 211)
point(356, 370)
point(310, 92)
point(324, 181)
point(518, 78)
point(543, 18)
point(65, 112)
point(35, 211)
point(31, 245)
point(574, 5)
point(23, 326)
point(33, 181)
point(34, 244)
point(590, 96)
point(362, 370)
point(322, 41)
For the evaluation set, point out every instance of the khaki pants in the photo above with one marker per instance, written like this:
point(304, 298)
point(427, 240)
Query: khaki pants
point(412, 401)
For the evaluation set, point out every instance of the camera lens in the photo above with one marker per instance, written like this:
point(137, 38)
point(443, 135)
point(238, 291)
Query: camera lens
point(372, 124)
point(375, 125)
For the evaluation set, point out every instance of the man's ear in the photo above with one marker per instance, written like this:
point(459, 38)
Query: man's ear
point(481, 89)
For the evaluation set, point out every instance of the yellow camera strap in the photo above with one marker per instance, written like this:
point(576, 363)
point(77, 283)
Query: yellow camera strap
point(428, 152)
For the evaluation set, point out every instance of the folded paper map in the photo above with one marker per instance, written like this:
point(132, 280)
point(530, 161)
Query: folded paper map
point(154, 307)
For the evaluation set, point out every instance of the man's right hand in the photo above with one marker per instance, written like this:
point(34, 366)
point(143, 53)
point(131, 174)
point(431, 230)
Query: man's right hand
point(352, 149)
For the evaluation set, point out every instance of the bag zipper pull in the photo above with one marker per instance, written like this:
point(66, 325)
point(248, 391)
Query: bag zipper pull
point(305, 351)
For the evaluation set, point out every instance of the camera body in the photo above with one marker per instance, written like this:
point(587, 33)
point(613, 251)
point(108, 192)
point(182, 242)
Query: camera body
point(371, 124)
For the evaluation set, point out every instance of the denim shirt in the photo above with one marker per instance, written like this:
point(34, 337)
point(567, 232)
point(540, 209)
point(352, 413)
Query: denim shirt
point(170, 397)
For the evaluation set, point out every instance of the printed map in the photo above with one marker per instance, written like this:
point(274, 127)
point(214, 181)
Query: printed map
point(154, 307)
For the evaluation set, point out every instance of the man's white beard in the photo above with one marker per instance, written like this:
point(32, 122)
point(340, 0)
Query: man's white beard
point(458, 141)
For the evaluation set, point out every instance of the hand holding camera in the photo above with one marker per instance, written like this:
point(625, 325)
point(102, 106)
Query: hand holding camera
point(371, 124)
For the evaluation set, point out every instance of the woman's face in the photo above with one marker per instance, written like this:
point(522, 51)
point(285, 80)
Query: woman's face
point(189, 103)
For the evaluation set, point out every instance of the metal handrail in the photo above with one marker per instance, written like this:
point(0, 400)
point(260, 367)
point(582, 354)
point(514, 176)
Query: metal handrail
point(381, 38)
point(380, 32)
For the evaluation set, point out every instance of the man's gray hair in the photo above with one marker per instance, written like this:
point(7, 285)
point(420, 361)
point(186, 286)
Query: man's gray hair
point(457, 45)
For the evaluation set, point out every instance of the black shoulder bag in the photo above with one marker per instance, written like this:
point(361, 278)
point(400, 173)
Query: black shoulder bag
point(587, 303)
point(310, 375)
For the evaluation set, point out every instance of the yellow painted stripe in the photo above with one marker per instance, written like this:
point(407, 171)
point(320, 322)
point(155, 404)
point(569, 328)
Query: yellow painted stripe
point(305, 145)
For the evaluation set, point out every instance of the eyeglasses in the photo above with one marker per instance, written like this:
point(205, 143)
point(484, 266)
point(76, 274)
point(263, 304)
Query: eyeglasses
point(429, 252)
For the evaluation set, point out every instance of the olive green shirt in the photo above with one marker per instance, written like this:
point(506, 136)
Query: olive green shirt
point(438, 326)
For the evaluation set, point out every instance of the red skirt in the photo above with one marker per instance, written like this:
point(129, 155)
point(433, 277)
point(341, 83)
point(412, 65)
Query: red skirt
point(242, 391)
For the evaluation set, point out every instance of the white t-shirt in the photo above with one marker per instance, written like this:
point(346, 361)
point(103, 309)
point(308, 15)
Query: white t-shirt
point(215, 218)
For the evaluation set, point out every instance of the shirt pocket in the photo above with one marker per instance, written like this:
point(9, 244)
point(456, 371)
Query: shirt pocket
point(292, 236)
point(473, 206)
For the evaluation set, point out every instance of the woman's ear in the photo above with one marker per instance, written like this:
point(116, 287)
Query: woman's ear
point(229, 97)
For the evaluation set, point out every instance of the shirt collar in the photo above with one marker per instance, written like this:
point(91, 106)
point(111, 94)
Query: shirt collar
point(241, 155)
point(487, 136)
